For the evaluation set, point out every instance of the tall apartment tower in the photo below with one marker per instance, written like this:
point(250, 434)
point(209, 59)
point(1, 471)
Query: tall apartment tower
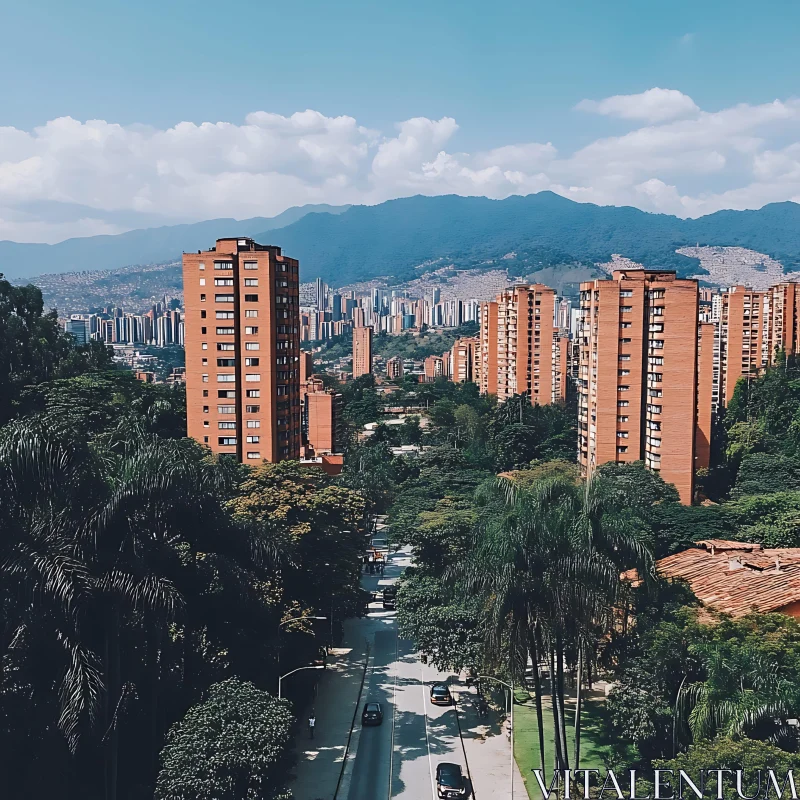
point(362, 351)
point(517, 345)
point(637, 383)
point(243, 350)
point(463, 359)
point(744, 343)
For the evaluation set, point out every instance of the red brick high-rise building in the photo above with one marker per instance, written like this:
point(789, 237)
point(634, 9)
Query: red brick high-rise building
point(242, 350)
point(322, 412)
point(520, 350)
point(362, 351)
point(637, 383)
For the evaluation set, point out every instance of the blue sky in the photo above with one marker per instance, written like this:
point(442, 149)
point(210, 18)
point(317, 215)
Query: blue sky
point(508, 73)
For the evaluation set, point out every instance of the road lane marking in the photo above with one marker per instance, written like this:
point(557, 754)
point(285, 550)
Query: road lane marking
point(394, 709)
point(427, 738)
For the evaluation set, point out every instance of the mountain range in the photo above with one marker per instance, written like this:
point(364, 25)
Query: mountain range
point(400, 239)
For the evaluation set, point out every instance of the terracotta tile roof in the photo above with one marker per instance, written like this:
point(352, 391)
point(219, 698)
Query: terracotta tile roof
point(735, 577)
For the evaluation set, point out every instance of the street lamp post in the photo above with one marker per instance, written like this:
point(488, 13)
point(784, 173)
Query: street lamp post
point(280, 679)
point(511, 703)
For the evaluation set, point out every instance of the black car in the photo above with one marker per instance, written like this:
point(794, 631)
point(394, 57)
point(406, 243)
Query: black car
point(372, 714)
point(390, 597)
point(449, 780)
point(440, 695)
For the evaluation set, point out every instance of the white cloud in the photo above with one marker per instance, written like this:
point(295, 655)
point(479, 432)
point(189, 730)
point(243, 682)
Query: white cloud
point(654, 105)
point(72, 178)
point(686, 40)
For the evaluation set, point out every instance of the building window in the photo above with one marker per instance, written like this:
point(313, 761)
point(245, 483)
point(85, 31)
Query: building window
point(205, 378)
point(226, 426)
point(223, 281)
point(205, 409)
point(251, 264)
point(253, 409)
point(205, 423)
point(624, 372)
point(202, 281)
point(205, 440)
point(226, 362)
point(251, 330)
point(626, 293)
point(251, 312)
point(201, 265)
point(623, 449)
point(254, 392)
point(223, 298)
point(223, 265)
point(227, 441)
point(251, 362)
point(624, 358)
point(202, 315)
point(203, 330)
point(226, 409)
point(204, 346)
point(257, 346)
point(251, 454)
point(205, 392)
point(251, 298)
point(205, 361)
point(626, 324)
point(251, 281)
point(253, 423)
point(226, 394)
point(223, 331)
point(623, 403)
point(226, 378)
point(623, 388)
point(622, 419)
point(252, 377)
point(620, 434)
point(202, 298)
point(625, 309)
point(253, 439)
point(225, 346)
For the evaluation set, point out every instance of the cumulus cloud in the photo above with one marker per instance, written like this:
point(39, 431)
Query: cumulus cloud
point(76, 178)
point(654, 105)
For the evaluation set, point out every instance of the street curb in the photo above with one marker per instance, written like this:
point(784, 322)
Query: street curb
point(351, 748)
point(463, 747)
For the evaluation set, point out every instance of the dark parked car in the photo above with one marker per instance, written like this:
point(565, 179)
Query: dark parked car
point(440, 695)
point(390, 597)
point(449, 781)
point(372, 714)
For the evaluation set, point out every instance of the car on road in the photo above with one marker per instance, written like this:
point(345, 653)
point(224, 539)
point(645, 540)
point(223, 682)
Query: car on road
point(450, 781)
point(440, 695)
point(372, 714)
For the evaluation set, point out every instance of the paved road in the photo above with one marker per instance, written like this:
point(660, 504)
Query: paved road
point(398, 758)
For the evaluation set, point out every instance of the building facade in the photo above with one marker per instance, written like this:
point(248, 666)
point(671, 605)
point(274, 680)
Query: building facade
point(322, 415)
point(463, 358)
point(637, 383)
point(243, 350)
point(362, 351)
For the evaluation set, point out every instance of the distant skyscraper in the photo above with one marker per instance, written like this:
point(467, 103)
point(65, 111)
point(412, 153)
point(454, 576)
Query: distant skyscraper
point(242, 350)
point(362, 351)
point(79, 328)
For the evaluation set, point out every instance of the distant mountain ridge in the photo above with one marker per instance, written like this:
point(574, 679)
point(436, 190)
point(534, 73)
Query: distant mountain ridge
point(347, 244)
point(142, 246)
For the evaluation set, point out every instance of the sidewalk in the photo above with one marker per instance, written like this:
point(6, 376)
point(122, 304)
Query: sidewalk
point(488, 750)
point(337, 695)
point(319, 761)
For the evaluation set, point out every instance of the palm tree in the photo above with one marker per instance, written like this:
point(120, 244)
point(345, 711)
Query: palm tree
point(549, 560)
point(743, 694)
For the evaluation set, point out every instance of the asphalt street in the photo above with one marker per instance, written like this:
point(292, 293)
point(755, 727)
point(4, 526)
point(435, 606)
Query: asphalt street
point(398, 758)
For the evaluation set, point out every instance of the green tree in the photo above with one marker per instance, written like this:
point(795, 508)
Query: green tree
point(233, 746)
point(33, 348)
point(752, 757)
